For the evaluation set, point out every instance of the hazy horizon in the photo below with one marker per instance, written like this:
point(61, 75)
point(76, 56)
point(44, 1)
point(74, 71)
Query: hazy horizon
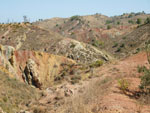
point(13, 11)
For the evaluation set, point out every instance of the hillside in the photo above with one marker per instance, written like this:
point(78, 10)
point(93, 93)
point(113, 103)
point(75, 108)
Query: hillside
point(81, 64)
point(130, 43)
point(94, 29)
point(30, 37)
point(15, 95)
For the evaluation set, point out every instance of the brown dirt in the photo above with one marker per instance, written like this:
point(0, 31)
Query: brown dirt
point(100, 94)
point(116, 101)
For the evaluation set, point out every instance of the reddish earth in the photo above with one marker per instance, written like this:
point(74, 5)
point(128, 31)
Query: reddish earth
point(108, 98)
point(116, 101)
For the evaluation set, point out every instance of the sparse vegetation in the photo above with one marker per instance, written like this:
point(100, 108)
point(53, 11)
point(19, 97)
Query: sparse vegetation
point(14, 94)
point(115, 45)
point(40, 110)
point(123, 85)
point(131, 21)
point(98, 63)
point(130, 15)
point(108, 21)
point(76, 17)
point(97, 43)
point(118, 49)
point(145, 79)
point(122, 45)
point(75, 79)
point(120, 41)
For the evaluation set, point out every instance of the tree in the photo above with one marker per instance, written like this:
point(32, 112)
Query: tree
point(138, 21)
point(25, 19)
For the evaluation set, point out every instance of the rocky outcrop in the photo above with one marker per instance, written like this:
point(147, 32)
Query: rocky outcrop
point(81, 52)
point(7, 58)
point(35, 68)
point(31, 75)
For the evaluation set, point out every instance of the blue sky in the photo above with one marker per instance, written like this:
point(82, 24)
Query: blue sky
point(43, 9)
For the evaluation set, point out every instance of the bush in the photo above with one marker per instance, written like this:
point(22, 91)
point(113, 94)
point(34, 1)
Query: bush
point(138, 21)
point(108, 21)
point(97, 43)
point(76, 17)
point(115, 45)
point(118, 50)
point(145, 79)
point(130, 16)
point(98, 63)
point(123, 85)
point(122, 45)
point(108, 27)
point(147, 21)
point(131, 21)
point(118, 23)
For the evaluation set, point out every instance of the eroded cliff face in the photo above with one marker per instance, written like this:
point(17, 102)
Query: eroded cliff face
point(35, 68)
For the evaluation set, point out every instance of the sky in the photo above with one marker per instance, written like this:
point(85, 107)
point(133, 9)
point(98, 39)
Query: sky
point(14, 10)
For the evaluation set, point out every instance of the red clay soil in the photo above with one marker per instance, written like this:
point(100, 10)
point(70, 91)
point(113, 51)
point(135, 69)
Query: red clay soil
point(116, 101)
point(112, 99)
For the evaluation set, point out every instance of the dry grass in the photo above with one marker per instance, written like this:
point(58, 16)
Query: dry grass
point(88, 100)
point(15, 95)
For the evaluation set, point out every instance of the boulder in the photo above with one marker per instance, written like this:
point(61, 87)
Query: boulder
point(31, 74)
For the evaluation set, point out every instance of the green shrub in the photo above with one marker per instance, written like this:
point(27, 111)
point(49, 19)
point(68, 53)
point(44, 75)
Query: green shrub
point(118, 50)
point(123, 85)
point(108, 21)
point(108, 27)
point(118, 23)
point(131, 21)
point(145, 79)
point(138, 21)
point(98, 63)
point(115, 45)
point(76, 17)
point(72, 33)
point(97, 43)
point(122, 45)
point(147, 21)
